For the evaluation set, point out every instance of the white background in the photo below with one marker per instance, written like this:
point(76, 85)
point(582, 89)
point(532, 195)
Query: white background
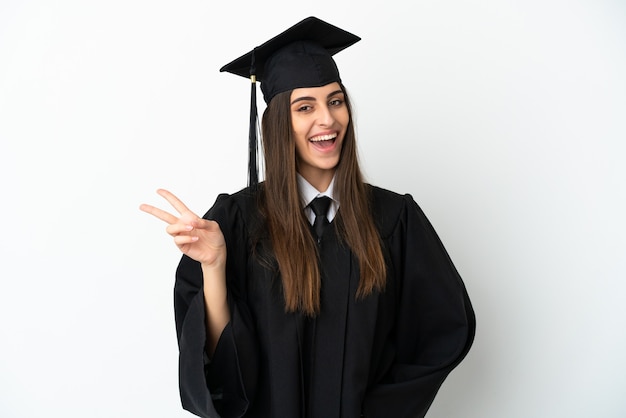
point(504, 119)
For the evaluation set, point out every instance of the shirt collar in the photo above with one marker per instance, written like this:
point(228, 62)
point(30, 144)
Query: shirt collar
point(308, 193)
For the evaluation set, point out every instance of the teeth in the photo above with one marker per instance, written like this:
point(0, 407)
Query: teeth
point(323, 138)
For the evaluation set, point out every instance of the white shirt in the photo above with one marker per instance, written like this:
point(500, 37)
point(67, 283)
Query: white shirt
point(308, 193)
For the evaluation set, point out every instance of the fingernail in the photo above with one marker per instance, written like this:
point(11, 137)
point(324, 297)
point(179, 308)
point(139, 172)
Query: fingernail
point(188, 227)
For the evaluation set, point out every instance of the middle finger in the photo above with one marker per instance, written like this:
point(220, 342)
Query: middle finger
point(159, 213)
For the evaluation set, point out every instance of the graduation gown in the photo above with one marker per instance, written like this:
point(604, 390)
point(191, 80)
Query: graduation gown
point(385, 355)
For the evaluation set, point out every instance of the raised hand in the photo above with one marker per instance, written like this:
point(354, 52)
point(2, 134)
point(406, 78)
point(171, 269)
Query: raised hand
point(198, 238)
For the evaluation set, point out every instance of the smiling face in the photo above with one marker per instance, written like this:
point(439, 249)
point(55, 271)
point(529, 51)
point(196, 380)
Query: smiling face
point(319, 118)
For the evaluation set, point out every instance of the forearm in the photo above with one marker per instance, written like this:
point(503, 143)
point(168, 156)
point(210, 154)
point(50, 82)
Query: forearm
point(215, 304)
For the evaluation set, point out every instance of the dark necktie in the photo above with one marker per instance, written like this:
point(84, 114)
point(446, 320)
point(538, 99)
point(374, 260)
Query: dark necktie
point(320, 206)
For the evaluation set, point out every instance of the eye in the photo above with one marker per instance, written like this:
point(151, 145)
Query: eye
point(335, 102)
point(304, 108)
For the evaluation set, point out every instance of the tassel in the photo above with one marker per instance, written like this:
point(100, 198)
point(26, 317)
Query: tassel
point(253, 173)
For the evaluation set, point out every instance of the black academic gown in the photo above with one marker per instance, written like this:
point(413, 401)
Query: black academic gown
point(382, 356)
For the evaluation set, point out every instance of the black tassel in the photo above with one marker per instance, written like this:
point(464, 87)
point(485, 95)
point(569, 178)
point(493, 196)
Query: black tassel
point(253, 172)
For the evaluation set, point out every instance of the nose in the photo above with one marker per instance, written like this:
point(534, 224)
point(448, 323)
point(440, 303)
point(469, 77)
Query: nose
point(325, 116)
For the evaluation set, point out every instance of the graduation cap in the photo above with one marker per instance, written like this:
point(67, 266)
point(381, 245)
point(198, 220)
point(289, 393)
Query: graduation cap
point(301, 56)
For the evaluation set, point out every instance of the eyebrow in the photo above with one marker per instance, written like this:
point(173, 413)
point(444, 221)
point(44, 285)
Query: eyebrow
point(311, 98)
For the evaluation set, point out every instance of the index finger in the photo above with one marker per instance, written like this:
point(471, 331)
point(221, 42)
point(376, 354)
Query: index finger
point(173, 200)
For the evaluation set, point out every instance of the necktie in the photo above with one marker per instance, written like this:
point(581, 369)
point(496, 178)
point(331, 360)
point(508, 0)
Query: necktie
point(320, 206)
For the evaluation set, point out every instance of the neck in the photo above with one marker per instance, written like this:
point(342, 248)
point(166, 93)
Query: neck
point(319, 180)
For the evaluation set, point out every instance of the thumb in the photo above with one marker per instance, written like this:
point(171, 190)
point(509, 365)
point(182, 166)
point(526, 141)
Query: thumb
point(201, 223)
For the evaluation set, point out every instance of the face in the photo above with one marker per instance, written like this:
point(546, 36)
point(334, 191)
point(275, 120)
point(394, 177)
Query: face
point(319, 118)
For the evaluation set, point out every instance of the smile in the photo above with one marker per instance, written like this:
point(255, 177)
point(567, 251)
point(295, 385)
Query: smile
point(330, 137)
point(324, 143)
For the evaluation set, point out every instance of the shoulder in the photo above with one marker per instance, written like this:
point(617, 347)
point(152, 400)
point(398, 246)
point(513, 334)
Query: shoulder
point(393, 210)
point(243, 199)
point(389, 201)
point(240, 208)
point(384, 195)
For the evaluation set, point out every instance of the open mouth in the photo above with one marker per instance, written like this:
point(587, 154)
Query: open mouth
point(323, 141)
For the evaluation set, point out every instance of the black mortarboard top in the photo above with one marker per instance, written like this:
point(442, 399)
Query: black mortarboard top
point(299, 57)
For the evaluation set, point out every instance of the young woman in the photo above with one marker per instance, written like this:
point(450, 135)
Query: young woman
point(312, 294)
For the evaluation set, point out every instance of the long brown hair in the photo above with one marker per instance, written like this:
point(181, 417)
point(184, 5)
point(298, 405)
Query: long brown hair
point(290, 236)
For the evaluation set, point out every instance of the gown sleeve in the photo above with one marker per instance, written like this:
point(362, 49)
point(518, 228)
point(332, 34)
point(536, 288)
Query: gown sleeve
point(435, 322)
point(222, 386)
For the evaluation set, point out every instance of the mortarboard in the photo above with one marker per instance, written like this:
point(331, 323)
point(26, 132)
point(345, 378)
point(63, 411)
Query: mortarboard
point(301, 56)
